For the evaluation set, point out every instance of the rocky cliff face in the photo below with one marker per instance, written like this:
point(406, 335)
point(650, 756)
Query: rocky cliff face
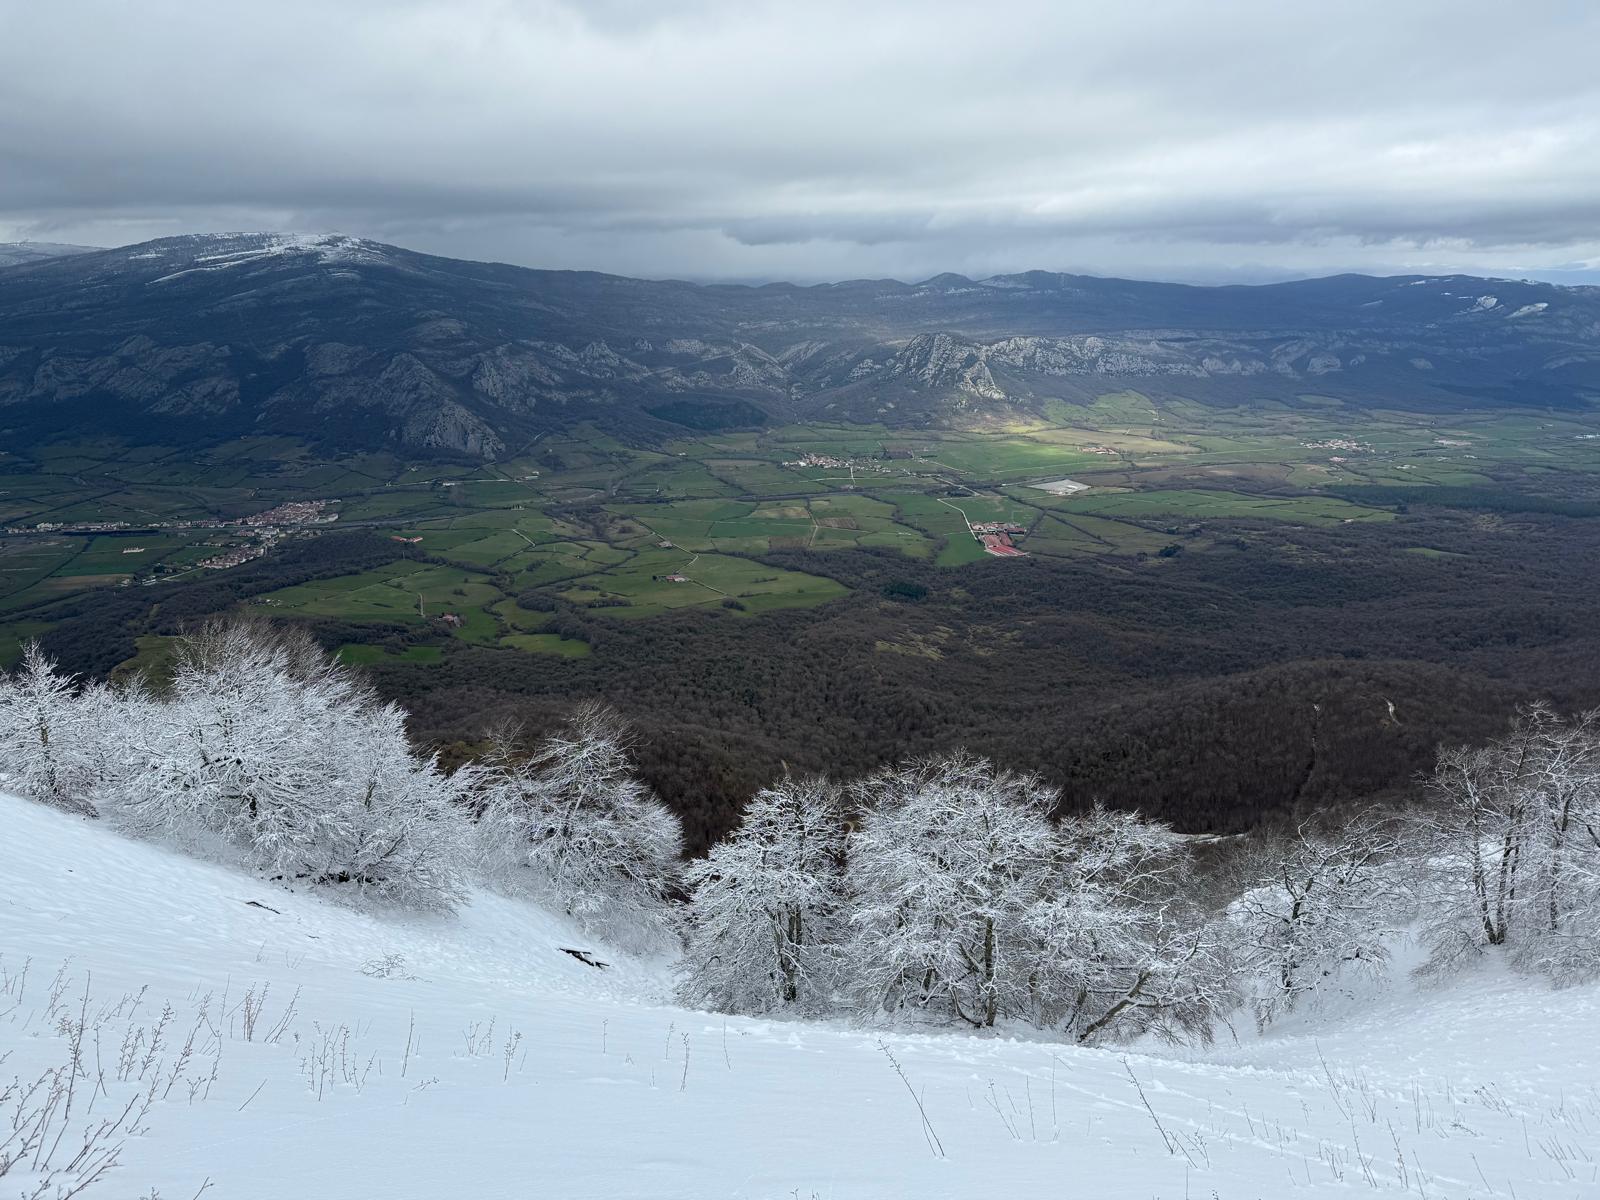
point(362, 344)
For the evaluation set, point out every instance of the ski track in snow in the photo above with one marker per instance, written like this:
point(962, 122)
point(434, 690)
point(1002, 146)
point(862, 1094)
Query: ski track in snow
point(1485, 1088)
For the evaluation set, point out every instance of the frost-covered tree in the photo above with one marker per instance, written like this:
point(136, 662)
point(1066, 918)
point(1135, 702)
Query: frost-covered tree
point(1317, 907)
point(1115, 952)
point(236, 753)
point(113, 717)
point(1514, 840)
point(968, 898)
point(573, 824)
point(400, 830)
point(270, 753)
point(48, 734)
point(765, 916)
point(1562, 913)
point(949, 859)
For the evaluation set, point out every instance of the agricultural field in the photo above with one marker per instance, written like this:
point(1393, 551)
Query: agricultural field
point(658, 581)
point(398, 591)
point(583, 522)
point(1203, 505)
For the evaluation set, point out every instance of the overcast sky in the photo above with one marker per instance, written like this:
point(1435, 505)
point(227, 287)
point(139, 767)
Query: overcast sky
point(1224, 139)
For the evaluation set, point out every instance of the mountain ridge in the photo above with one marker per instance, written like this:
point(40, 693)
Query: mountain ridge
point(13, 253)
point(366, 345)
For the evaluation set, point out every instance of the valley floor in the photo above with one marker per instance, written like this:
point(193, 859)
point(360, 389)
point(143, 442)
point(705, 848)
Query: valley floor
point(343, 1054)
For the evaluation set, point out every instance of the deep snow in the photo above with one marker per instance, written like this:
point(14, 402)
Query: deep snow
point(590, 1084)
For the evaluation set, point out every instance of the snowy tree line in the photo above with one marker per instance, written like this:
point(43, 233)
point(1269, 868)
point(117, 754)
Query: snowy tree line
point(266, 753)
point(943, 890)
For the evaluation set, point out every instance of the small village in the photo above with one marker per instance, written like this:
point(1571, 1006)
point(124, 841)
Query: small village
point(68, 527)
point(852, 465)
point(293, 512)
point(1336, 444)
point(268, 528)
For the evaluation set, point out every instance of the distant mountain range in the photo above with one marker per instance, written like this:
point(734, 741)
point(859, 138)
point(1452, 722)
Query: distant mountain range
point(12, 253)
point(362, 345)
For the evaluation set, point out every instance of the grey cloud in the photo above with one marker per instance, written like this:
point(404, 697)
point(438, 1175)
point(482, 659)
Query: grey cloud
point(712, 138)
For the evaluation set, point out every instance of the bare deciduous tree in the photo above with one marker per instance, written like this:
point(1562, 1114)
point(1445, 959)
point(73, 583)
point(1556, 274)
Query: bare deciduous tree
point(1118, 952)
point(1318, 906)
point(575, 825)
point(1513, 837)
point(950, 854)
point(46, 734)
point(767, 903)
point(270, 753)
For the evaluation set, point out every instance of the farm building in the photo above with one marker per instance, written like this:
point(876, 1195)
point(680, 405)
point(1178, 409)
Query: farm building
point(999, 544)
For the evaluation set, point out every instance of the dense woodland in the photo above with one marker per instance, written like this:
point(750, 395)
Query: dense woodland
point(1287, 670)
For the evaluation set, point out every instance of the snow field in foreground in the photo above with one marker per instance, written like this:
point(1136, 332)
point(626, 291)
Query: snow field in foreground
point(348, 1054)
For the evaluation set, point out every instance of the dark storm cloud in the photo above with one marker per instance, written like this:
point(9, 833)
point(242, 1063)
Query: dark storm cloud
point(822, 139)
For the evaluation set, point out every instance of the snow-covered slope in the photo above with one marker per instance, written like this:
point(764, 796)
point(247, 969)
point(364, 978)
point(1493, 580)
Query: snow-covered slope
point(398, 1057)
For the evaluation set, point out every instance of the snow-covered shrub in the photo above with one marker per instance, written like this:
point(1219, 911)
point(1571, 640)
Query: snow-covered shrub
point(1317, 907)
point(574, 826)
point(54, 740)
point(1514, 837)
point(765, 912)
point(269, 752)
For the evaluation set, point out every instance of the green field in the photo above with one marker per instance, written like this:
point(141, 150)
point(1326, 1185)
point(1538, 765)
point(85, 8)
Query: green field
point(547, 643)
point(581, 519)
point(645, 585)
point(1200, 505)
